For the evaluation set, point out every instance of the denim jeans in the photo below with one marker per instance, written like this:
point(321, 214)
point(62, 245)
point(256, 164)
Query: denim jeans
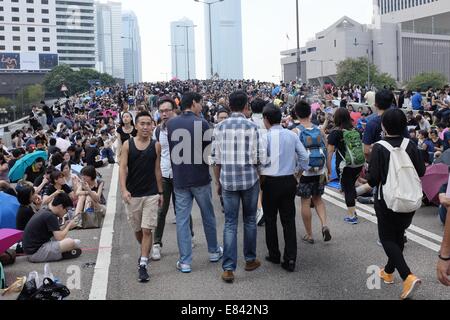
point(162, 212)
point(232, 201)
point(183, 204)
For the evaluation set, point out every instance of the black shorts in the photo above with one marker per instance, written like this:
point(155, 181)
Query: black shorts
point(310, 187)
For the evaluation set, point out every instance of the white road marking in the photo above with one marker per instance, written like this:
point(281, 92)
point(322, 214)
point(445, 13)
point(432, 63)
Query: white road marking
point(428, 244)
point(371, 210)
point(99, 286)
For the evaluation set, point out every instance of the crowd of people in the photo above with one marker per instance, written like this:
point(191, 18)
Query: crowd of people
point(266, 144)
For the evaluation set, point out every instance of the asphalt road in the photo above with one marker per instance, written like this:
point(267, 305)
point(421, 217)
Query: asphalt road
point(325, 271)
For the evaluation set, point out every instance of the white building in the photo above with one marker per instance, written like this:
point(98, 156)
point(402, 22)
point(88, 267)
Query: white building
point(76, 33)
point(27, 35)
point(407, 37)
point(109, 38)
point(226, 39)
point(131, 43)
point(183, 49)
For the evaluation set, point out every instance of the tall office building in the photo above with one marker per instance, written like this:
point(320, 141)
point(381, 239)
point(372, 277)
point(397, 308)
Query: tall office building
point(75, 22)
point(183, 49)
point(109, 38)
point(226, 39)
point(131, 43)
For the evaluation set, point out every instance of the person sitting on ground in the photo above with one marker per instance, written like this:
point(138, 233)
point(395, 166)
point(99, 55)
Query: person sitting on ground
point(25, 196)
point(44, 241)
point(35, 170)
point(93, 157)
point(71, 179)
point(57, 185)
point(90, 192)
point(52, 148)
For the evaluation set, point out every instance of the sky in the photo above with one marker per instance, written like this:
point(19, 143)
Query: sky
point(265, 26)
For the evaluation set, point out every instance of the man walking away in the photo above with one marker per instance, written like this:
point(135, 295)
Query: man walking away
point(287, 155)
point(238, 152)
point(141, 185)
point(191, 178)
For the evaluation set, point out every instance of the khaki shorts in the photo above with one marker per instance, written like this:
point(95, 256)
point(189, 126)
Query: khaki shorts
point(142, 213)
point(48, 252)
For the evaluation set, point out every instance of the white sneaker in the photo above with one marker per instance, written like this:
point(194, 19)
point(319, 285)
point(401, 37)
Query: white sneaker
point(215, 257)
point(156, 252)
point(259, 215)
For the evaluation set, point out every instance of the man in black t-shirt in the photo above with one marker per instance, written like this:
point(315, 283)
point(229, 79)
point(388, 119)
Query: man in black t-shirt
point(43, 226)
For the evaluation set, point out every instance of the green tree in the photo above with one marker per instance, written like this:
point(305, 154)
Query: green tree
point(76, 81)
point(355, 71)
point(5, 102)
point(426, 80)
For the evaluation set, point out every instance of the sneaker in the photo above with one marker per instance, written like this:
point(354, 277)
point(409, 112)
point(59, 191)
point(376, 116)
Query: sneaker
point(156, 252)
point(228, 276)
point(410, 286)
point(184, 268)
point(386, 277)
point(352, 221)
point(75, 253)
point(143, 274)
point(215, 257)
point(259, 215)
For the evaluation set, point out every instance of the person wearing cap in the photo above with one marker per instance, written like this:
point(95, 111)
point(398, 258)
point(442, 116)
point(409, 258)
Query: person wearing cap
point(38, 244)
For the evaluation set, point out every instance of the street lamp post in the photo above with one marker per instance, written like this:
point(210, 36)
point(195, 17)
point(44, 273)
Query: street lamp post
point(209, 4)
point(176, 57)
point(132, 55)
point(368, 59)
point(187, 48)
point(299, 70)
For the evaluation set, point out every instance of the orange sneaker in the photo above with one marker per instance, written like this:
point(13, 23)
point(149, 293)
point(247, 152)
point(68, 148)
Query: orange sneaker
point(410, 286)
point(387, 278)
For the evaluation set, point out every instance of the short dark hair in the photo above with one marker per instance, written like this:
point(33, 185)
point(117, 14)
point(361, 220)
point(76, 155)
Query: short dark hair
point(55, 176)
point(303, 109)
point(90, 172)
point(394, 122)
point(52, 142)
point(143, 114)
point(188, 100)
point(424, 133)
point(238, 101)
point(258, 105)
point(272, 114)
point(40, 160)
point(223, 110)
point(383, 99)
point(165, 99)
point(65, 164)
point(62, 199)
point(24, 194)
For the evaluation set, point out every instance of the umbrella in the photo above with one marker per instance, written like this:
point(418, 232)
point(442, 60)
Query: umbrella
point(63, 144)
point(8, 210)
point(8, 238)
point(435, 177)
point(18, 171)
point(276, 91)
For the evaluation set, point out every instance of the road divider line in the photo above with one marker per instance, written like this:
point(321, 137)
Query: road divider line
point(371, 210)
point(99, 286)
point(415, 238)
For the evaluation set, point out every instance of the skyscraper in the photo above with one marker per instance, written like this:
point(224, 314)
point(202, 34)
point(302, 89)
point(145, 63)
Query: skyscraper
point(131, 43)
point(109, 38)
point(226, 36)
point(75, 32)
point(183, 49)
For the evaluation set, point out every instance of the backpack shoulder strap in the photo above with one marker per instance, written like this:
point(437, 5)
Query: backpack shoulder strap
point(405, 144)
point(386, 144)
point(158, 133)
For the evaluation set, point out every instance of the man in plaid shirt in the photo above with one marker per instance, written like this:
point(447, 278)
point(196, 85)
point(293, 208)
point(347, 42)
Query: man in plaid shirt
point(238, 151)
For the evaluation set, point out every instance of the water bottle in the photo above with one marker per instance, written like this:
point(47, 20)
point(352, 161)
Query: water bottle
point(48, 273)
point(89, 211)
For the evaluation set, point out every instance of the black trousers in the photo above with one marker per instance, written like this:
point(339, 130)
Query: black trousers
point(391, 230)
point(279, 196)
point(348, 180)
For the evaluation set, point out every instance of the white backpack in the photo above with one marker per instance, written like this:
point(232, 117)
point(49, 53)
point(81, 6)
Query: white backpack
point(403, 189)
